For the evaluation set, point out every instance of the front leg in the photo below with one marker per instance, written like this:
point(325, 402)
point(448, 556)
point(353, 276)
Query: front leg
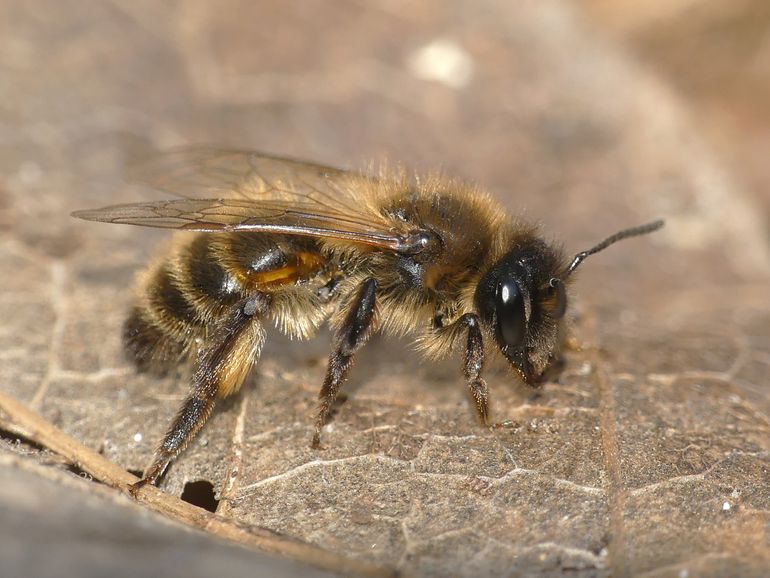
point(349, 338)
point(473, 362)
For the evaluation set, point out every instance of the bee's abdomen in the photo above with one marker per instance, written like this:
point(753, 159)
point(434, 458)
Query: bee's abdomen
point(204, 279)
point(199, 283)
point(179, 299)
point(148, 346)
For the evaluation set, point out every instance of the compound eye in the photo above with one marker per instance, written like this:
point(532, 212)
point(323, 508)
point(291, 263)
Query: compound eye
point(509, 304)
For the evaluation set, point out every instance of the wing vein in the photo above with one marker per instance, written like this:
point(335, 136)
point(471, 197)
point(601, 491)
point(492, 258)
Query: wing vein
point(234, 190)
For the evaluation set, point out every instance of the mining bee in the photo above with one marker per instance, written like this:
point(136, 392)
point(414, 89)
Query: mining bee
point(296, 244)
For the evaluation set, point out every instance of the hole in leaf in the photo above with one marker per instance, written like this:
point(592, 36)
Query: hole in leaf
point(201, 494)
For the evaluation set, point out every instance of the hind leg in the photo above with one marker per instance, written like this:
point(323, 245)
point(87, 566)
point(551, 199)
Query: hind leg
point(220, 369)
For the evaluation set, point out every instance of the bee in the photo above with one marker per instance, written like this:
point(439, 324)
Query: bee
point(270, 240)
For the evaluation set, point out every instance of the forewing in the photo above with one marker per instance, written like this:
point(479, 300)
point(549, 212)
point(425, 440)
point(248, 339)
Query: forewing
point(230, 190)
point(217, 215)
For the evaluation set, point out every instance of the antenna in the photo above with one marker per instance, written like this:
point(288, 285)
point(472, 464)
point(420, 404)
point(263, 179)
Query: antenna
point(619, 236)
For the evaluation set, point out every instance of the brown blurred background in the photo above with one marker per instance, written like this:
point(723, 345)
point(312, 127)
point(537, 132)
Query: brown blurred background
point(715, 55)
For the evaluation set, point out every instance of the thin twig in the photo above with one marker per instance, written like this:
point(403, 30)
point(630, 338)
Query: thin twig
point(30, 425)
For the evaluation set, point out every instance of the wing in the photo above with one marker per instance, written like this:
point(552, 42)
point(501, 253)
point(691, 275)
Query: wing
point(208, 172)
point(231, 190)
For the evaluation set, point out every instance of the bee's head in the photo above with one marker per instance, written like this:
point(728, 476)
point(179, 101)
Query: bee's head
point(522, 300)
point(522, 307)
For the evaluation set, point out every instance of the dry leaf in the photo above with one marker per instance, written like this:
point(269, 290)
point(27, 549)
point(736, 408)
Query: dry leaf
point(649, 456)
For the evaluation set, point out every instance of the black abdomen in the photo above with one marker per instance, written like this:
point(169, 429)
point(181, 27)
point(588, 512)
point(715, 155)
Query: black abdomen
point(183, 297)
point(179, 300)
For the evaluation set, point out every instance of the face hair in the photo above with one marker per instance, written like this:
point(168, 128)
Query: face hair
point(619, 236)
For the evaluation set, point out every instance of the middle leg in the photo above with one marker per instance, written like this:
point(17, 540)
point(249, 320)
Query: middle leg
point(351, 336)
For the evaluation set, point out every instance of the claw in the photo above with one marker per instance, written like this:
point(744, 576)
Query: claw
point(133, 489)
